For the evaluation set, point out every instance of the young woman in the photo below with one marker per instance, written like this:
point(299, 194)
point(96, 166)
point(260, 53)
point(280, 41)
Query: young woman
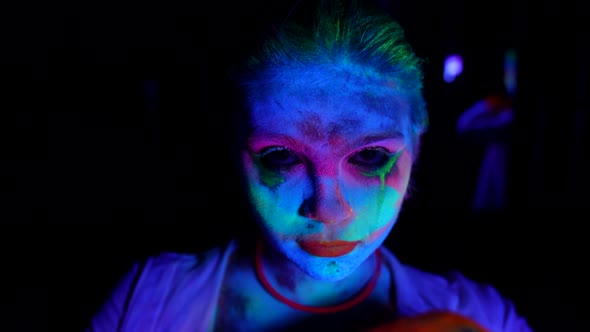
point(331, 124)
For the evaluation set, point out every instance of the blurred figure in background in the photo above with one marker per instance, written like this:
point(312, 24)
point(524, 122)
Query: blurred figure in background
point(487, 123)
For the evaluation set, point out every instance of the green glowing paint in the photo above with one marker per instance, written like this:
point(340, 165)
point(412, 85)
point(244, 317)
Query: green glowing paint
point(269, 177)
point(381, 172)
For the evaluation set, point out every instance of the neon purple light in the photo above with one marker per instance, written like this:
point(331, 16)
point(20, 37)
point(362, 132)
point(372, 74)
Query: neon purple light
point(453, 67)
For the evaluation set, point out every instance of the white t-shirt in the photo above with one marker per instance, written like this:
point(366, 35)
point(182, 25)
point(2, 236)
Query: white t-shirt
point(179, 292)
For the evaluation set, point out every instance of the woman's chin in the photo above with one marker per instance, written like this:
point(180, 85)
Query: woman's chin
point(330, 269)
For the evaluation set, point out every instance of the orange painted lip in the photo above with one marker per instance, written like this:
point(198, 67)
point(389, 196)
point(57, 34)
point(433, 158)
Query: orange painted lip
point(328, 249)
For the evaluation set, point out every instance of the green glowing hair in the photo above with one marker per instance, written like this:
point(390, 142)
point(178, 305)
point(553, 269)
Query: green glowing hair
point(351, 32)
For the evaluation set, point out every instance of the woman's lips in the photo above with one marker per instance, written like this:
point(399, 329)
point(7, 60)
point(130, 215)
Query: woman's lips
point(328, 249)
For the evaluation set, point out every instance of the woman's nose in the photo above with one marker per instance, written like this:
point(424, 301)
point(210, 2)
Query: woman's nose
point(327, 204)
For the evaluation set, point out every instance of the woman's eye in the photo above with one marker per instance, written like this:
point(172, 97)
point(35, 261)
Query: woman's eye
point(277, 157)
point(370, 159)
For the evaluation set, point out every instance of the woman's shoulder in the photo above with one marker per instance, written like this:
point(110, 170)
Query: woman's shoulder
point(174, 283)
point(419, 291)
point(181, 263)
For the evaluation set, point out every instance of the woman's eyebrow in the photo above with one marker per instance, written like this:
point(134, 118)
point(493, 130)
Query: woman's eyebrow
point(379, 137)
point(258, 141)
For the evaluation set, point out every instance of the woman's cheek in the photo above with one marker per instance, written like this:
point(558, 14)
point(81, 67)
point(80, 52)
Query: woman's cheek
point(377, 199)
point(259, 190)
point(399, 177)
point(375, 209)
point(265, 202)
point(278, 206)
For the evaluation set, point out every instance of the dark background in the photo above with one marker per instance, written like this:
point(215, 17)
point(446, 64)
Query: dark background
point(107, 153)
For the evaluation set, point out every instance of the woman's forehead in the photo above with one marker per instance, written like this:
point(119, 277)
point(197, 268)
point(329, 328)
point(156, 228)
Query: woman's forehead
point(330, 76)
point(329, 84)
point(335, 97)
point(337, 101)
point(333, 117)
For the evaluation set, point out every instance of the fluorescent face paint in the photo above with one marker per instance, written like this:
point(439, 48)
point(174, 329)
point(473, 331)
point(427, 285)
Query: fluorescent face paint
point(385, 169)
point(324, 166)
point(269, 177)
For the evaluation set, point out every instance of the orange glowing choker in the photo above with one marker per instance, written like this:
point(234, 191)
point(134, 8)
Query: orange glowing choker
point(362, 294)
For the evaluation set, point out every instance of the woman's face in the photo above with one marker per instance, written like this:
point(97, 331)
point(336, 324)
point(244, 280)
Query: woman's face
point(326, 169)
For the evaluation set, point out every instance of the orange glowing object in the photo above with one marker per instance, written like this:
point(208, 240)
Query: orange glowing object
point(440, 321)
